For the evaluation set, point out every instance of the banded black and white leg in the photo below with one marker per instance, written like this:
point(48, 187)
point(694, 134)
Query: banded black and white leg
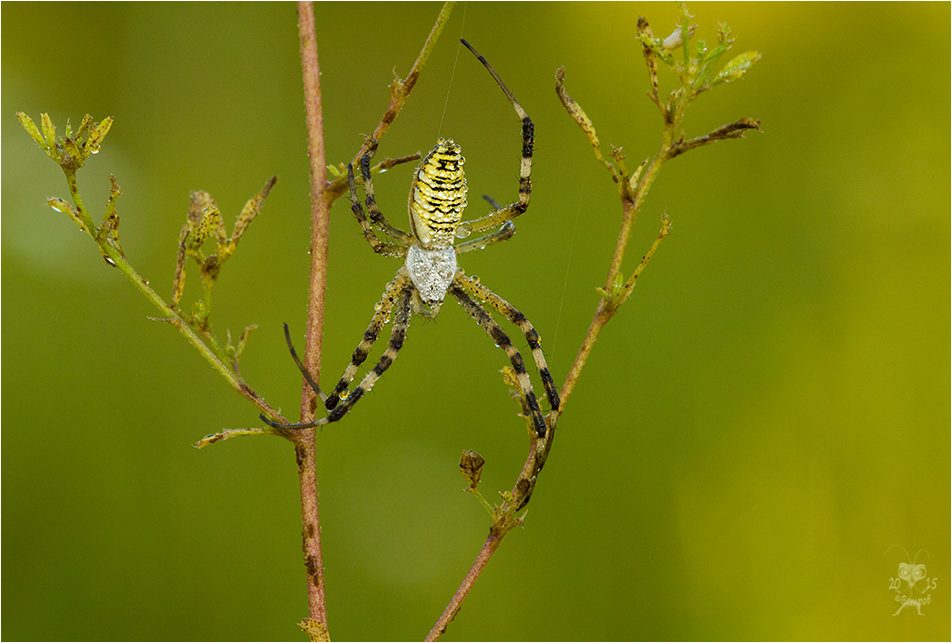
point(499, 336)
point(397, 299)
point(382, 311)
point(390, 249)
point(402, 237)
point(533, 339)
point(511, 211)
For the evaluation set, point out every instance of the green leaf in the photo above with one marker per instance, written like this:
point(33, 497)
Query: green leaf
point(736, 67)
point(251, 210)
point(32, 130)
point(97, 135)
point(49, 132)
point(656, 48)
point(110, 222)
point(84, 127)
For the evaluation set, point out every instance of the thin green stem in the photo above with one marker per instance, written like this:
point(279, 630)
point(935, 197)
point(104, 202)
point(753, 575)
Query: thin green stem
point(116, 258)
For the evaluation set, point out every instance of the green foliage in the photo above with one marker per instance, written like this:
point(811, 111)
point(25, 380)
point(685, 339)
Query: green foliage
point(72, 149)
point(204, 222)
point(693, 71)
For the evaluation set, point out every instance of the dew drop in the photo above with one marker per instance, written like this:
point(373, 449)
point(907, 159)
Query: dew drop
point(110, 261)
point(464, 230)
point(343, 395)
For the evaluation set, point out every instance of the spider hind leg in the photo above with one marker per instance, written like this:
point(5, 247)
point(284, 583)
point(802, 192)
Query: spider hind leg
point(499, 336)
point(533, 339)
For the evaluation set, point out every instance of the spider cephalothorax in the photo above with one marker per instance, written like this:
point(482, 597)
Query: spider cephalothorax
point(430, 272)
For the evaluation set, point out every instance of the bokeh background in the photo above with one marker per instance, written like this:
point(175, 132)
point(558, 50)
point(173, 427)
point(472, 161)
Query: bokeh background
point(759, 439)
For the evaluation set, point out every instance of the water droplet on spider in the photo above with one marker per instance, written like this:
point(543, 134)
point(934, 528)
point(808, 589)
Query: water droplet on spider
point(474, 278)
point(95, 150)
point(343, 395)
point(464, 230)
point(378, 306)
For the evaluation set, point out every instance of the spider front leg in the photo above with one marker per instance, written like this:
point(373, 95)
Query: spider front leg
point(398, 249)
point(376, 216)
point(532, 336)
point(516, 208)
point(494, 330)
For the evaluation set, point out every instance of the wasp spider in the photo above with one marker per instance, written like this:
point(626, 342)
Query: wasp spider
point(429, 272)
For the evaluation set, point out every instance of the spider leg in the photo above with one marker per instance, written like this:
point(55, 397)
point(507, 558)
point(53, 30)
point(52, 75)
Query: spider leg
point(505, 232)
point(516, 208)
point(307, 375)
point(401, 321)
point(376, 216)
point(381, 313)
point(493, 202)
point(380, 247)
point(494, 330)
point(532, 336)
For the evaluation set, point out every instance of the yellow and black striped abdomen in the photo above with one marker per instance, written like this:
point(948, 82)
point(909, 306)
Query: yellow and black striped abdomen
point(438, 196)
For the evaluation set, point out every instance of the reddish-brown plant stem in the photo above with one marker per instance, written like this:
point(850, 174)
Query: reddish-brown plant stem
point(538, 453)
point(305, 448)
point(489, 548)
point(631, 204)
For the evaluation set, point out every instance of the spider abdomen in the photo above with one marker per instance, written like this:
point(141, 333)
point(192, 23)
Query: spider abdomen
point(438, 196)
point(431, 272)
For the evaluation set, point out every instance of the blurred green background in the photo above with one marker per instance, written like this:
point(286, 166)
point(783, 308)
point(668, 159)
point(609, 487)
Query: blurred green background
point(762, 423)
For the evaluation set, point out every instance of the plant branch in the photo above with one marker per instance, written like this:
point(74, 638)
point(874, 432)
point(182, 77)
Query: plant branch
point(399, 92)
point(489, 548)
point(305, 448)
point(632, 189)
point(114, 256)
